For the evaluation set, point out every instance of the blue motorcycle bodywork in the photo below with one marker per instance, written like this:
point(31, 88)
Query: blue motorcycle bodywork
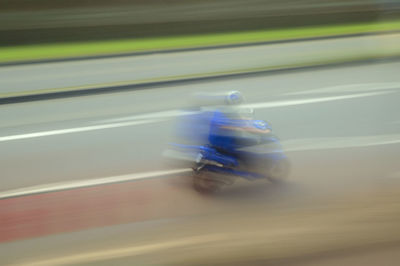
point(268, 150)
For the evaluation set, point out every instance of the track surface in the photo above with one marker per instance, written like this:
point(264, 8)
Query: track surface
point(351, 105)
point(340, 127)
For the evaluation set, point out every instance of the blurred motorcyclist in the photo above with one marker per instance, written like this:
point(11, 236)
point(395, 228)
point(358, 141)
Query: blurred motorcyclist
point(221, 139)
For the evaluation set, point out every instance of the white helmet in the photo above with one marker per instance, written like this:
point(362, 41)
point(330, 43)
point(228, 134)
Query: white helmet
point(234, 97)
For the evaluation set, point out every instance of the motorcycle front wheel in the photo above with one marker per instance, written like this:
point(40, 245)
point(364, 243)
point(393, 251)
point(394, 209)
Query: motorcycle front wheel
point(204, 183)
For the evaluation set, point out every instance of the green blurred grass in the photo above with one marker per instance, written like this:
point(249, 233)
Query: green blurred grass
point(63, 50)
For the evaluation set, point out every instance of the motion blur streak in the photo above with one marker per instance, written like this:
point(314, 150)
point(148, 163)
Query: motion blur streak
point(340, 142)
point(290, 145)
point(155, 115)
point(86, 183)
point(313, 100)
point(127, 251)
point(352, 88)
point(73, 130)
point(349, 87)
point(128, 133)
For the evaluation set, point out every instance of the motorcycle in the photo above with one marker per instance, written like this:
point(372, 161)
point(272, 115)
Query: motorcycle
point(258, 155)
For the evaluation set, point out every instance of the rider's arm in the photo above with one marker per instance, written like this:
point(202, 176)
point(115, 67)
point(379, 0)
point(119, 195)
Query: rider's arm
point(243, 126)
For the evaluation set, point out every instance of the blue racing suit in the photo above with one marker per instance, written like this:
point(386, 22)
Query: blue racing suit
point(222, 134)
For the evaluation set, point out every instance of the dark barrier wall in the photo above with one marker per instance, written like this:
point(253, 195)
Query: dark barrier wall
point(42, 21)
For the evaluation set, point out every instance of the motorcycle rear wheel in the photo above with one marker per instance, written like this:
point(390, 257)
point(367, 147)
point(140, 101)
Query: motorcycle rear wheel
point(279, 171)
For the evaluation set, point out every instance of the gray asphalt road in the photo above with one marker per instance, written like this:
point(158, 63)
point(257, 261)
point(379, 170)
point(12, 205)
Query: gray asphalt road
point(340, 128)
point(23, 78)
point(365, 112)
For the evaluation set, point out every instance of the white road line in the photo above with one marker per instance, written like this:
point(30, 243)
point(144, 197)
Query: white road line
point(87, 183)
point(358, 87)
point(75, 130)
point(176, 113)
point(310, 144)
point(339, 142)
point(155, 115)
point(88, 257)
point(312, 100)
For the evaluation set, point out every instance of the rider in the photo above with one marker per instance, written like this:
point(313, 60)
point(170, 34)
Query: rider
point(231, 126)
